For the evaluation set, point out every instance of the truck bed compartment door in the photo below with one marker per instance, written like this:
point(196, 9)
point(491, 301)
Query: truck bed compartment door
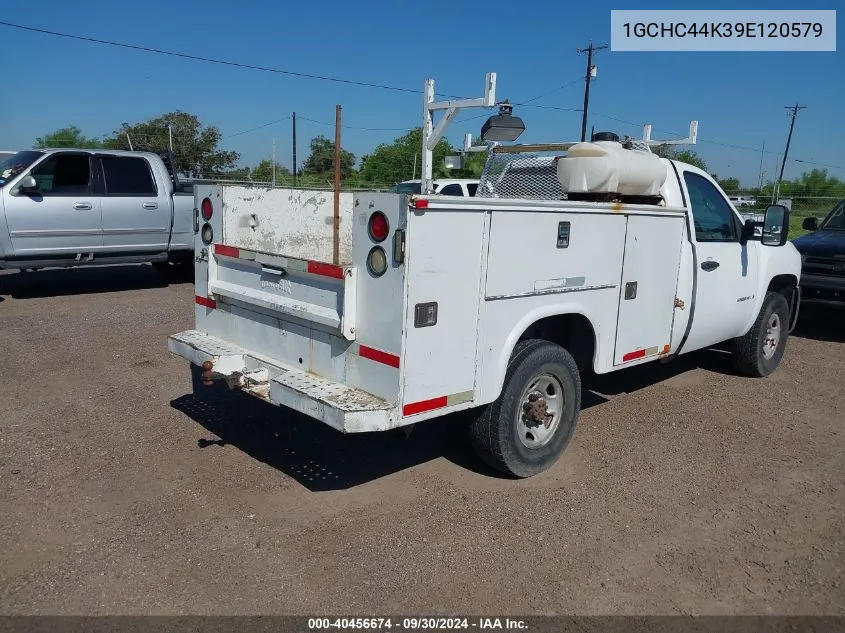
point(649, 283)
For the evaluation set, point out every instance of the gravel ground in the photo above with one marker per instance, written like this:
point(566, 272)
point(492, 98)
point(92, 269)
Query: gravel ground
point(685, 490)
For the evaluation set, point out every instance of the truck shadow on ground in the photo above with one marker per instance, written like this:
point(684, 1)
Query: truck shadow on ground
point(821, 322)
point(322, 459)
point(56, 282)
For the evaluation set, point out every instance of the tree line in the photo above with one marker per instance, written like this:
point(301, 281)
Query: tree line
point(198, 154)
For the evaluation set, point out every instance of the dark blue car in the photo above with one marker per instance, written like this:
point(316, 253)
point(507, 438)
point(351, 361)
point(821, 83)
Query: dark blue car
point(823, 257)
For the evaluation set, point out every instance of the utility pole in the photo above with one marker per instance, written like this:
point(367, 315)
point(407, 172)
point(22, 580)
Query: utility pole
point(591, 71)
point(760, 179)
point(294, 149)
point(274, 162)
point(794, 114)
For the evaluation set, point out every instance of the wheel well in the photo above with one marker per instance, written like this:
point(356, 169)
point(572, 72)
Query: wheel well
point(574, 332)
point(785, 285)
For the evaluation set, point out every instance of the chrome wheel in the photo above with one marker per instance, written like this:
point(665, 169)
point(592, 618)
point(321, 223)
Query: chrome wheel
point(772, 338)
point(540, 414)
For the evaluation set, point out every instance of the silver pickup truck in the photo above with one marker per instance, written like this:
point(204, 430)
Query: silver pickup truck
point(75, 207)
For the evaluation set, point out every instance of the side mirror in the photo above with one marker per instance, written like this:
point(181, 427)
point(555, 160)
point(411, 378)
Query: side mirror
point(810, 224)
point(775, 226)
point(28, 184)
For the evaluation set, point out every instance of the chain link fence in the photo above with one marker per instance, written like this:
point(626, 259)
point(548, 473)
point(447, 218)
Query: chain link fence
point(753, 202)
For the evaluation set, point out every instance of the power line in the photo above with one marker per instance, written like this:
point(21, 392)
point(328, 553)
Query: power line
point(354, 127)
point(722, 144)
point(546, 94)
point(598, 114)
point(148, 49)
point(158, 51)
point(253, 129)
point(364, 84)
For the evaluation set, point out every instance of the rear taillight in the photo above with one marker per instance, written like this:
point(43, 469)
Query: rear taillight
point(207, 234)
point(207, 209)
point(377, 261)
point(378, 227)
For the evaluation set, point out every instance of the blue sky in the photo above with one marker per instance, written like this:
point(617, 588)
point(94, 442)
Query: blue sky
point(738, 98)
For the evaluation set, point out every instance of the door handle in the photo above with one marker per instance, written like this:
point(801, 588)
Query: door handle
point(150, 205)
point(709, 265)
point(82, 206)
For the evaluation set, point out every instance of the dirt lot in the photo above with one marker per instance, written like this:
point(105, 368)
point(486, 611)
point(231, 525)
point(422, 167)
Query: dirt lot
point(685, 490)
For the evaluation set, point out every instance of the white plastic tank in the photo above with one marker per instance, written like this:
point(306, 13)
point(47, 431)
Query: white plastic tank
point(607, 167)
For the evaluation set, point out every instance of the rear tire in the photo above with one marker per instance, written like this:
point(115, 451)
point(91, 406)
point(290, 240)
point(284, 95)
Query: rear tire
point(760, 351)
point(542, 383)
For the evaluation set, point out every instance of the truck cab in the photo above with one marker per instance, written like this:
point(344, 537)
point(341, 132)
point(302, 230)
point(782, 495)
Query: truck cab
point(443, 186)
point(734, 271)
point(823, 257)
point(67, 207)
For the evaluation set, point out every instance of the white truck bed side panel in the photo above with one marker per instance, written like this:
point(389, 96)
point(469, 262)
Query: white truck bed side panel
point(443, 265)
point(292, 222)
point(649, 282)
point(380, 300)
point(525, 259)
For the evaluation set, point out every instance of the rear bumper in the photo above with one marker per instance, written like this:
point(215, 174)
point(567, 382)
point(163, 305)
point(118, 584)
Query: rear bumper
point(345, 408)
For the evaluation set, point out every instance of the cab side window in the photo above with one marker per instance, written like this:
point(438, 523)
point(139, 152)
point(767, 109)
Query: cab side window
point(64, 175)
point(712, 215)
point(128, 177)
point(451, 190)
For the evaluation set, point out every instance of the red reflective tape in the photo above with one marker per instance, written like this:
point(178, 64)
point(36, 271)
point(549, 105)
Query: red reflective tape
point(378, 356)
point(227, 251)
point(206, 301)
point(425, 405)
point(326, 270)
point(640, 353)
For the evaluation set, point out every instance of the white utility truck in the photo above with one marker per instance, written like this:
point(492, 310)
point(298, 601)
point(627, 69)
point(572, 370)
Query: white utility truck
point(373, 311)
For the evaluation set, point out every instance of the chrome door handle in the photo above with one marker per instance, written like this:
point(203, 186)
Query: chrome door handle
point(82, 206)
point(150, 205)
